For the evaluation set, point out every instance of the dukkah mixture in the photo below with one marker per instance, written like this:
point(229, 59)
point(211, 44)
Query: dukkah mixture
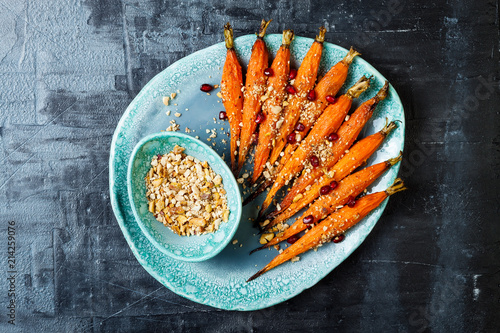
point(185, 194)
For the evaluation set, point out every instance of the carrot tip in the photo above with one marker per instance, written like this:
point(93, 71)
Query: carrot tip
point(287, 38)
point(350, 56)
point(257, 249)
point(396, 159)
point(321, 37)
point(256, 275)
point(359, 87)
point(228, 36)
point(263, 27)
point(382, 94)
point(397, 186)
point(388, 128)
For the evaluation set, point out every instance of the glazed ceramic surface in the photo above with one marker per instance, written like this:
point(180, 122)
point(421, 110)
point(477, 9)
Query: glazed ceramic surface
point(220, 281)
point(194, 248)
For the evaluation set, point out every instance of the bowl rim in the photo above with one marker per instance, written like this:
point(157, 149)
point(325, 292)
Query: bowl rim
point(145, 230)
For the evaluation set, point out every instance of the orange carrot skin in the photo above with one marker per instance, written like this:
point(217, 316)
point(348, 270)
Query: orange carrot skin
point(304, 82)
point(232, 98)
point(336, 224)
point(347, 133)
point(255, 87)
point(353, 185)
point(267, 132)
point(328, 122)
point(356, 156)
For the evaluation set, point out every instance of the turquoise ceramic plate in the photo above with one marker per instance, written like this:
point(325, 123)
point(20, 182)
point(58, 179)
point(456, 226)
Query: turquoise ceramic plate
point(196, 248)
point(220, 281)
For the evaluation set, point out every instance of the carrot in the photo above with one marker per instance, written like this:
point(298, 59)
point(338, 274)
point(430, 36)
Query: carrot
point(303, 84)
point(232, 96)
point(255, 87)
point(352, 185)
point(273, 100)
point(329, 122)
point(329, 85)
point(356, 156)
point(336, 224)
point(347, 133)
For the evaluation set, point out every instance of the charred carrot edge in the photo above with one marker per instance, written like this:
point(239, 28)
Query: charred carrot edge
point(347, 133)
point(255, 87)
point(352, 185)
point(272, 107)
point(304, 82)
point(329, 84)
point(329, 122)
point(232, 96)
point(336, 224)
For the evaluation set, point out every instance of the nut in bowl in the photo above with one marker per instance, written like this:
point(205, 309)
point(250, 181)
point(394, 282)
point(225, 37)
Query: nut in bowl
point(186, 223)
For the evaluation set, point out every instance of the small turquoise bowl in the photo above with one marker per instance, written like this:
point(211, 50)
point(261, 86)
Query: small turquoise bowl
point(192, 248)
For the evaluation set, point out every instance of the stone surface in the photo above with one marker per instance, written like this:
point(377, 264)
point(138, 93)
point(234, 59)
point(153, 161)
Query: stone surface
point(68, 69)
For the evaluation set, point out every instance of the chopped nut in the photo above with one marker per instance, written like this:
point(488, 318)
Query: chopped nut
point(235, 241)
point(166, 100)
point(266, 238)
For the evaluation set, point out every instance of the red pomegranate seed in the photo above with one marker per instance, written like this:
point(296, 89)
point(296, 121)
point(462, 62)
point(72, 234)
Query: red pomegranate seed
point(300, 127)
point(333, 185)
point(308, 219)
point(333, 137)
point(268, 72)
point(291, 89)
point(291, 138)
point(159, 156)
point(293, 74)
point(292, 239)
point(206, 87)
point(330, 99)
point(222, 115)
point(311, 95)
point(339, 238)
point(325, 190)
point(351, 201)
point(260, 118)
point(314, 161)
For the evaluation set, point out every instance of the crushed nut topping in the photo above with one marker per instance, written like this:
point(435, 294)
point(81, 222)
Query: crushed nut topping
point(185, 194)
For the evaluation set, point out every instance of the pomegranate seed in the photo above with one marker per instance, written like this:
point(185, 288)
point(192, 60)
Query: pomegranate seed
point(268, 72)
point(325, 190)
point(330, 99)
point(293, 74)
point(339, 238)
point(351, 201)
point(159, 156)
point(206, 87)
point(222, 115)
point(311, 95)
point(300, 127)
point(292, 239)
point(308, 219)
point(314, 161)
point(333, 137)
point(291, 138)
point(333, 185)
point(291, 89)
point(260, 118)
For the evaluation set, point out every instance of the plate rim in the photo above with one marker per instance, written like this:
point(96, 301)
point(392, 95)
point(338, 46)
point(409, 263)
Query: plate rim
point(192, 297)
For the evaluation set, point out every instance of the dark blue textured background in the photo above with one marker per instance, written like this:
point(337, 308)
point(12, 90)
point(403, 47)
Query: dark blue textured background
point(68, 69)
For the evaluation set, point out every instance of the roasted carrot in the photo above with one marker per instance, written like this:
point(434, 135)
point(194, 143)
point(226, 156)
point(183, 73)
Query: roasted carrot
point(302, 85)
point(347, 133)
point(357, 156)
point(329, 122)
point(329, 86)
point(335, 224)
point(255, 88)
point(352, 185)
point(232, 96)
point(273, 100)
